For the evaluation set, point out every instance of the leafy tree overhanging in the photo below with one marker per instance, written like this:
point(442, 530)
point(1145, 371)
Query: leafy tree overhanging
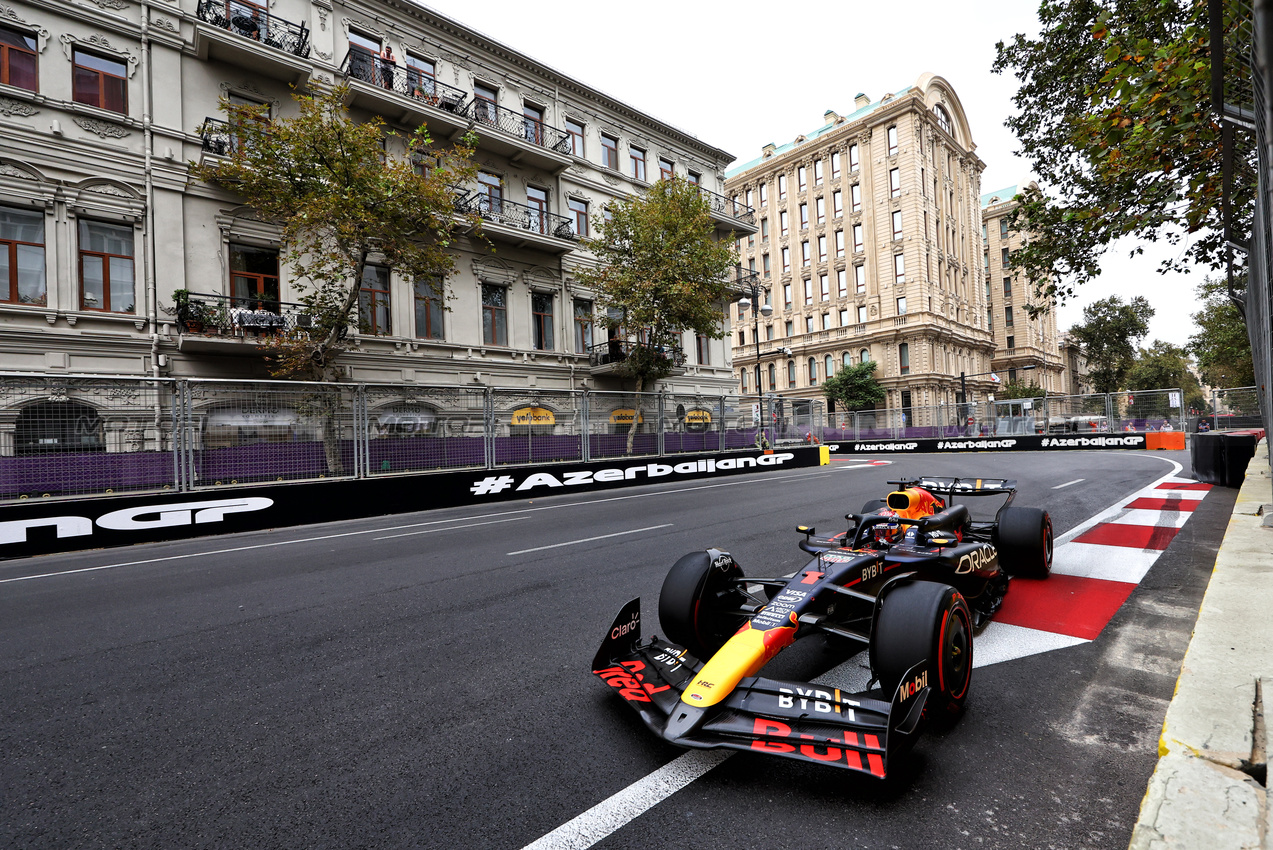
point(662, 269)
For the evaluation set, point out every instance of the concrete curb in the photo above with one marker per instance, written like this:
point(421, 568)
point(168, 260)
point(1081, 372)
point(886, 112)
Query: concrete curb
point(1205, 791)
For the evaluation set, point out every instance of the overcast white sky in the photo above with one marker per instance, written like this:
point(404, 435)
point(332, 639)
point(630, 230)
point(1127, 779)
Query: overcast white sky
point(739, 75)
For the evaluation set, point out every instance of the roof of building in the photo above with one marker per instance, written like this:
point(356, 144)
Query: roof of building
point(808, 137)
point(998, 196)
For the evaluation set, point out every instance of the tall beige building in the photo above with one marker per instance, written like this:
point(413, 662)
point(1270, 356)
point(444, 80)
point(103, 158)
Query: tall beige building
point(869, 248)
point(1026, 349)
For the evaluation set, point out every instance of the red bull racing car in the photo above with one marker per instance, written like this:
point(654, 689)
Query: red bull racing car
point(911, 580)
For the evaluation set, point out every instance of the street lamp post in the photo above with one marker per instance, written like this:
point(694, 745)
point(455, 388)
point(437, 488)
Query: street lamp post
point(746, 303)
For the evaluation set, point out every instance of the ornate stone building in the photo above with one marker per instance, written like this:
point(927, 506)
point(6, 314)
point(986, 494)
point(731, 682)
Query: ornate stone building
point(869, 247)
point(104, 102)
point(1020, 341)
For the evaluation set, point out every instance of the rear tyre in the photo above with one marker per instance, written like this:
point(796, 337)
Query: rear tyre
point(698, 605)
point(1025, 542)
point(926, 621)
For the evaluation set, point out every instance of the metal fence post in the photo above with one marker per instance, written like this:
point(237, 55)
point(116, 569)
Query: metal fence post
point(659, 444)
point(721, 424)
point(488, 426)
point(585, 415)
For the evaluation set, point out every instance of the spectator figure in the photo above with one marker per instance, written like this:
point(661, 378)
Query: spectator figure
point(1166, 426)
point(1203, 426)
point(387, 64)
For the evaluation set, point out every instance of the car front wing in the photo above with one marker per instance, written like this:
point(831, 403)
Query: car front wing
point(797, 720)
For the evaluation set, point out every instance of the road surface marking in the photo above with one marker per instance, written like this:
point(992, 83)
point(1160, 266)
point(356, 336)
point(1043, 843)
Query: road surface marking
point(589, 539)
point(1068, 483)
point(449, 528)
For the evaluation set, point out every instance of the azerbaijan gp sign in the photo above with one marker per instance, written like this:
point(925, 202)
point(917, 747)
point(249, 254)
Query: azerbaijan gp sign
point(1024, 442)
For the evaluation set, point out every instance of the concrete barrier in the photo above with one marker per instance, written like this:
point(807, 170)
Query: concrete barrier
point(1209, 788)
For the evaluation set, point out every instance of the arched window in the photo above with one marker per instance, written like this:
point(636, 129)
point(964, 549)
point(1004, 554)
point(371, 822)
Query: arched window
point(943, 118)
point(864, 356)
point(791, 373)
point(742, 375)
point(58, 426)
point(847, 360)
point(828, 367)
point(773, 377)
point(813, 372)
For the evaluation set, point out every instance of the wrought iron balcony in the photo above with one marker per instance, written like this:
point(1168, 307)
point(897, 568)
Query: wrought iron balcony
point(729, 207)
point(256, 24)
point(518, 216)
point(516, 124)
point(209, 314)
point(615, 351)
point(218, 136)
point(376, 71)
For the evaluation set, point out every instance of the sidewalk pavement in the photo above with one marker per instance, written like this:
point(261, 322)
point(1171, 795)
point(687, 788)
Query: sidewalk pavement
point(1209, 789)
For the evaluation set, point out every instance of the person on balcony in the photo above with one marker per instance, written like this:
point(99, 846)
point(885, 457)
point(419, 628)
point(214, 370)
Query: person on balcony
point(387, 64)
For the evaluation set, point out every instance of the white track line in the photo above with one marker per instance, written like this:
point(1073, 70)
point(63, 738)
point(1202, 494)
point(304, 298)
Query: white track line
point(450, 528)
point(1068, 483)
point(590, 539)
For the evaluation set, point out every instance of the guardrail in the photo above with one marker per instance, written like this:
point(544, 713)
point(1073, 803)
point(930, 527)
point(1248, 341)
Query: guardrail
point(256, 24)
point(373, 69)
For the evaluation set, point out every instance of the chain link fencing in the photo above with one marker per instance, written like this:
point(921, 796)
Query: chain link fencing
point(90, 435)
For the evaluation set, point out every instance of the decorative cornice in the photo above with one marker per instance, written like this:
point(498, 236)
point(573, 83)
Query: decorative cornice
point(9, 106)
point(105, 129)
point(110, 4)
point(100, 43)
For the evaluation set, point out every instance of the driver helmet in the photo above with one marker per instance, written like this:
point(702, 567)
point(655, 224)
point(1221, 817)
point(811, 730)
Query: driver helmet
point(888, 533)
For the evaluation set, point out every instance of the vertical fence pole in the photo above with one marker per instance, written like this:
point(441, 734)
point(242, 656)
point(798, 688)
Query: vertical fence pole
point(1109, 412)
point(488, 426)
point(720, 425)
point(659, 405)
point(586, 419)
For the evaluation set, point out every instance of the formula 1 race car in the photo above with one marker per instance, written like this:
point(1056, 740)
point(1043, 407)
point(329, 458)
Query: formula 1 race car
point(911, 580)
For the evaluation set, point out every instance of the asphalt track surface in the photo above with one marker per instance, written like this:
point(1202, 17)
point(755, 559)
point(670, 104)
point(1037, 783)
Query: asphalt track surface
point(407, 682)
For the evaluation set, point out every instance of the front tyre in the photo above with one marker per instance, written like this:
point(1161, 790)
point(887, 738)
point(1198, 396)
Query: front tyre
point(1025, 542)
point(926, 622)
point(698, 605)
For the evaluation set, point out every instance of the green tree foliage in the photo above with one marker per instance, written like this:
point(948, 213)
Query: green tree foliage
point(1115, 118)
point(854, 387)
point(1109, 334)
point(1019, 389)
point(661, 268)
point(1164, 366)
point(340, 202)
point(1222, 346)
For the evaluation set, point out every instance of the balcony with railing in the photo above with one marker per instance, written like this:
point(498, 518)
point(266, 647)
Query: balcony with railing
point(519, 224)
point(386, 88)
point(608, 358)
point(729, 213)
point(254, 38)
point(211, 322)
point(520, 137)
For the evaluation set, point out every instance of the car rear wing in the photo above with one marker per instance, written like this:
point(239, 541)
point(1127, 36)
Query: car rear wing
point(969, 486)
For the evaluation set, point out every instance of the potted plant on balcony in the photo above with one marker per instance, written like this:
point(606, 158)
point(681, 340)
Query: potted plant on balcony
point(189, 315)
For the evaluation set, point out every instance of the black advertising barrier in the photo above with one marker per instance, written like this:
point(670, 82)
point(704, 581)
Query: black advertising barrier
point(1221, 457)
point(46, 527)
point(1022, 442)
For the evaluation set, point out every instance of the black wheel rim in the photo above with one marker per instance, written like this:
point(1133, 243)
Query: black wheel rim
point(956, 654)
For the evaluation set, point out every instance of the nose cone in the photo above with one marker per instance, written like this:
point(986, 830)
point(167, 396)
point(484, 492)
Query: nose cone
point(684, 720)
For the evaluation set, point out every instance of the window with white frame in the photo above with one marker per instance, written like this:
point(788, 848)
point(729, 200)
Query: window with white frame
point(855, 198)
point(859, 279)
point(892, 140)
point(894, 183)
point(837, 203)
point(820, 205)
point(822, 249)
point(899, 268)
point(842, 283)
point(857, 238)
point(897, 224)
point(839, 243)
point(824, 287)
point(782, 187)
